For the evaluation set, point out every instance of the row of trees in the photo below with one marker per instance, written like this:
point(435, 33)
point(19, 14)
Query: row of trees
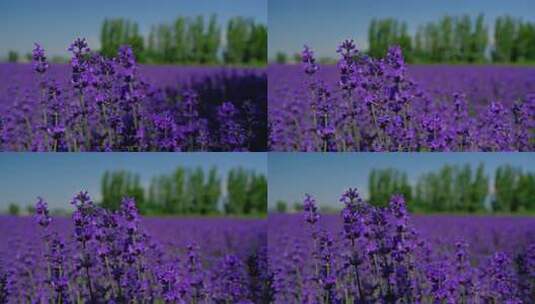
point(514, 40)
point(451, 39)
point(189, 41)
point(189, 191)
point(515, 190)
point(456, 39)
point(459, 189)
point(453, 189)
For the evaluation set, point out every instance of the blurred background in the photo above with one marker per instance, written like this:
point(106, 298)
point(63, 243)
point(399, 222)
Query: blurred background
point(443, 31)
point(161, 32)
point(162, 183)
point(500, 183)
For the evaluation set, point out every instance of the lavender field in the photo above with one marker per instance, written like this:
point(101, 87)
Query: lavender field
point(104, 257)
point(369, 254)
point(100, 104)
point(366, 104)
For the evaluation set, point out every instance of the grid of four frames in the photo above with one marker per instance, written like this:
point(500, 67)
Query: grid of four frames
point(267, 151)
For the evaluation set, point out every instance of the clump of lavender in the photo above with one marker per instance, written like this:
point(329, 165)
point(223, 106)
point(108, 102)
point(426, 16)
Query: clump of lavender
point(40, 63)
point(232, 135)
point(379, 257)
point(373, 105)
point(108, 257)
point(309, 61)
point(108, 106)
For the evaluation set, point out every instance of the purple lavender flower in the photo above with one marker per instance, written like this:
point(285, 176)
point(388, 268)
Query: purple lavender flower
point(381, 104)
point(41, 213)
point(232, 135)
point(307, 58)
point(311, 210)
point(40, 64)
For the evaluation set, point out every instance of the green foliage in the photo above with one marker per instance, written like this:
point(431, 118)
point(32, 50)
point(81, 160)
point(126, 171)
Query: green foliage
point(12, 56)
point(298, 206)
point(185, 192)
point(514, 190)
point(116, 185)
point(458, 189)
point(456, 39)
point(281, 58)
point(13, 209)
point(188, 192)
point(452, 39)
point(514, 40)
point(382, 184)
point(117, 32)
point(452, 189)
point(30, 209)
point(188, 41)
point(386, 32)
point(281, 207)
point(246, 42)
point(246, 192)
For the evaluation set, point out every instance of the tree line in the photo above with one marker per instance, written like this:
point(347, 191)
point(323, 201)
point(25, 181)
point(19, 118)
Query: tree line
point(452, 39)
point(456, 39)
point(461, 189)
point(189, 192)
point(451, 189)
point(189, 41)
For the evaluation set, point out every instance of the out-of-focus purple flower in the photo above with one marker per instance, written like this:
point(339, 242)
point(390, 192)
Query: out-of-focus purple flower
point(310, 209)
point(232, 135)
point(308, 60)
point(40, 64)
point(41, 213)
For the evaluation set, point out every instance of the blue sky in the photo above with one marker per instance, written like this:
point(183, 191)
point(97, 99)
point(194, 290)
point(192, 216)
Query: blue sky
point(57, 23)
point(58, 176)
point(328, 175)
point(324, 24)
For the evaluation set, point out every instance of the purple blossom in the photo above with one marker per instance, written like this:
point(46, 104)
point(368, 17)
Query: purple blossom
point(41, 213)
point(40, 63)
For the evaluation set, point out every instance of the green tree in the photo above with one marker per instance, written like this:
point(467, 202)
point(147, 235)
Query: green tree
point(504, 185)
point(119, 184)
point(281, 207)
point(256, 194)
point(182, 42)
point(117, 32)
point(246, 192)
point(237, 184)
point(257, 47)
point(281, 58)
point(195, 188)
point(479, 190)
point(479, 40)
point(212, 192)
point(212, 41)
point(505, 28)
point(524, 43)
point(13, 209)
point(525, 192)
point(383, 183)
point(238, 36)
point(30, 209)
point(12, 56)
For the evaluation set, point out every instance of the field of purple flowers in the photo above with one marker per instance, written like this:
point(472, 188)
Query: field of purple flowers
point(101, 104)
point(383, 255)
point(100, 256)
point(366, 104)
